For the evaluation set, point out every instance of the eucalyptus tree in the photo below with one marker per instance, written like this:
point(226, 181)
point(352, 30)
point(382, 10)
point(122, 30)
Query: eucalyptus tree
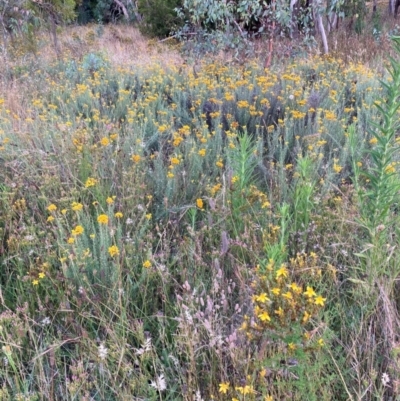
point(55, 12)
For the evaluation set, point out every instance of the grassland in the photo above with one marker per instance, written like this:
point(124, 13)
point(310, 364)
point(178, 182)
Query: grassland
point(223, 232)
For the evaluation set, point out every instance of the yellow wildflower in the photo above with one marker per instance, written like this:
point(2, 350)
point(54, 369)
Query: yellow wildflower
point(147, 264)
point(110, 200)
point(35, 282)
point(42, 275)
point(223, 387)
point(310, 292)
point(102, 219)
point(136, 158)
point(319, 300)
point(78, 230)
point(77, 206)
point(264, 317)
point(337, 168)
point(50, 219)
point(288, 295)
point(105, 141)
point(202, 152)
point(52, 207)
point(113, 251)
point(276, 291)
point(306, 317)
point(262, 297)
point(118, 215)
point(282, 272)
point(199, 203)
point(90, 182)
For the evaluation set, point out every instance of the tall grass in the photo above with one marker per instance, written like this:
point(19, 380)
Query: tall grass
point(225, 235)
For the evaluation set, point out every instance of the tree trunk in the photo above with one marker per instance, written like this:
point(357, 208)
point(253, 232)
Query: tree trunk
point(123, 8)
point(332, 21)
point(319, 23)
point(391, 7)
point(323, 34)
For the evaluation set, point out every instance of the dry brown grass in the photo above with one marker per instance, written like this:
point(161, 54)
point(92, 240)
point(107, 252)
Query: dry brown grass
point(124, 45)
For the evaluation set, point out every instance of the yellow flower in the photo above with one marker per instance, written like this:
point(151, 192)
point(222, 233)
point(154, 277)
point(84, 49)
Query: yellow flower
point(262, 297)
point(42, 275)
point(276, 291)
point(50, 219)
point(319, 300)
point(170, 175)
point(52, 207)
point(321, 342)
point(202, 152)
point(113, 251)
point(288, 295)
point(105, 141)
point(102, 219)
point(296, 289)
point(223, 387)
point(306, 317)
point(310, 292)
point(199, 203)
point(136, 158)
point(337, 168)
point(219, 164)
point(90, 182)
point(71, 240)
point(77, 206)
point(373, 141)
point(109, 200)
point(78, 230)
point(147, 264)
point(264, 316)
point(390, 169)
point(148, 216)
point(245, 390)
point(118, 215)
point(175, 161)
point(282, 272)
point(35, 282)
point(268, 398)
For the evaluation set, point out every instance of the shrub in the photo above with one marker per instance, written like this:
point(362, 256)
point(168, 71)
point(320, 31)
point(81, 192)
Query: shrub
point(159, 17)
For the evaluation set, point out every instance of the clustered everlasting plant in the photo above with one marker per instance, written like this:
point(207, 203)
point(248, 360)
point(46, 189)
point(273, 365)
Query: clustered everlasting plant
point(171, 235)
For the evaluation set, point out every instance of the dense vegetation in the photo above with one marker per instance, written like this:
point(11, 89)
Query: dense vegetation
point(178, 224)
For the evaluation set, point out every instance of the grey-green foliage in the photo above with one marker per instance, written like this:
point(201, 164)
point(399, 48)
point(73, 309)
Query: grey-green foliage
point(221, 14)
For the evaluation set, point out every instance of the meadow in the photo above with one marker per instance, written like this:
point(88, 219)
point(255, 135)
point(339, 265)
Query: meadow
point(224, 232)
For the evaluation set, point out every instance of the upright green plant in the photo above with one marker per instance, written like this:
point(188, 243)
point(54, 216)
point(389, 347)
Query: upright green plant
point(372, 302)
point(381, 193)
